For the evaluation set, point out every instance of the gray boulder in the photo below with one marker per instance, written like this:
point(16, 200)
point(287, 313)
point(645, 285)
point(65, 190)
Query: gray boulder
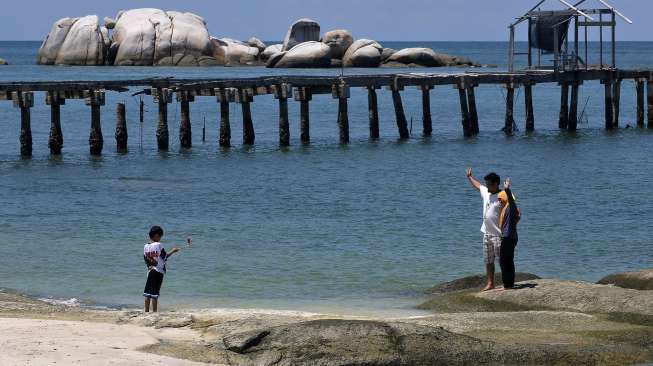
point(269, 51)
point(74, 41)
point(363, 53)
point(302, 30)
point(638, 280)
point(257, 43)
point(354, 342)
point(339, 40)
point(239, 53)
point(304, 55)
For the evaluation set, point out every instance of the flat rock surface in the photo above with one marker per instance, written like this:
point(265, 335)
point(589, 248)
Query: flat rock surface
point(637, 280)
point(476, 282)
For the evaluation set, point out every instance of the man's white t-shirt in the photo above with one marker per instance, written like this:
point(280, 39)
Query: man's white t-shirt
point(491, 210)
point(155, 251)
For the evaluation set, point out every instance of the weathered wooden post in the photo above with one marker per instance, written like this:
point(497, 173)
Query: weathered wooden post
point(304, 96)
point(510, 104)
point(473, 114)
point(616, 102)
point(185, 130)
point(245, 97)
point(55, 141)
point(225, 125)
point(464, 108)
point(400, 116)
point(640, 102)
point(528, 100)
point(121, 128)
point(162, 97)
point(24, 101)
point(564, 105)
point(341, 92)
point(427, 123)
point(649, 102)
point(96, 100)
point(573, 109)
point(373, 112)
point(281, 93)
point(609, 104)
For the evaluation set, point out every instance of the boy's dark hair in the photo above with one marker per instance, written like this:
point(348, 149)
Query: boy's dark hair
point(493, 178)
point(156, 230)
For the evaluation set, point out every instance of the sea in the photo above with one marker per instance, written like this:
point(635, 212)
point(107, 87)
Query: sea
point(365, 228)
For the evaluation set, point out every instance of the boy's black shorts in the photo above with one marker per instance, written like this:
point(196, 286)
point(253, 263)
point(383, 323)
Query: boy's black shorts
point(153, 284)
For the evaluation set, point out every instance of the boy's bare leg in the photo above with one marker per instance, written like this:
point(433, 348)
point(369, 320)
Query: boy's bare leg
point(489, 268)
point(147, 305)
point(155, 305)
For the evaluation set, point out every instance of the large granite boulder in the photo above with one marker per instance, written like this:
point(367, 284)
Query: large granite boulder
point(74, 41)
point(238, 53)
point(417, 56)
point(638, 280)
point(354, 342)
point(303, 55)
point(363, 53)
point(270, 51)
point(302, 30)
point(144, 37)
point(339, 40)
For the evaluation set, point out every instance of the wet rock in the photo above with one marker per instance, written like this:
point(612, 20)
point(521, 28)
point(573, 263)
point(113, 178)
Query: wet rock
point(257, 43)
point(638, 280)
point(304, 55)
point(363, 53)
point(302, 30)
point(339, 41)
point(476, 282)
point(269, 51)
point(74, 41)
point(355, 342)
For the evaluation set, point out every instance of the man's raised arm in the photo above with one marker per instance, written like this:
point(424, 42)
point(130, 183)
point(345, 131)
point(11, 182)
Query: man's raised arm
point(475, 183)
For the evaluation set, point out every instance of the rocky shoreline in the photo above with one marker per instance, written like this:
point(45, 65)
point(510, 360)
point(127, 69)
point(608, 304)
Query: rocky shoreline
point(153, 37)
point(544, 321)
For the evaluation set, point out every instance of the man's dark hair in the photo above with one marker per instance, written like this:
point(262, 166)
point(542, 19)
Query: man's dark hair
point(156, 230)
point(493, 178)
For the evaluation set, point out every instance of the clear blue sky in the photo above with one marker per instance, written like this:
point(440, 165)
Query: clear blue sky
point(383, 20)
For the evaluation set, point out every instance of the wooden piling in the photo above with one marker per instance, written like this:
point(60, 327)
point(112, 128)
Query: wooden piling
point(649, 102)
point(563, 120)
point(473, 114)
point(281, 94)
point(341, 92)
point(25, 101)
point(528, 100)
point(573, 108)
point(373, 112)
point(427, 123)
point(304, 96)
point(55, 140)
point(510, 104)
point(640, 102)
point(402, 124)
point(162, 97)
point(121, 128)
point(616, 100)
point(245, 97)
point(96, 140)
point(609, 104)
point(464, 110)
point(225, 125)
point(185, 130)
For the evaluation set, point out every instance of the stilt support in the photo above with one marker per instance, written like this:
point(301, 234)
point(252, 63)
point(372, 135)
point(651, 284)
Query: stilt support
point(282, 92)
point(427, 123)
point(473, 113)
point(464, 109)
point(640, 102)
point(121, 128)
point(563, 121)
point(341, 92)
point(25, 101)
point(96, 100)
point(185, 130)
point(373, 112)
point(55, 141)
point(223, 96)
point(400, 116)
point(162, 97)
point(245, 97)
point(573, 107)
point(528, 100)
point(510, 104)
point(304, 96)
point(609, 104)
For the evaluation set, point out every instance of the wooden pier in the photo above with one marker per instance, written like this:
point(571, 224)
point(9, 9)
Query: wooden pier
point(303, 88)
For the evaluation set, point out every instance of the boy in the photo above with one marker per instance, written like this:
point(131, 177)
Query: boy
point(510, 216)
point(490, 228)
point(155, 257)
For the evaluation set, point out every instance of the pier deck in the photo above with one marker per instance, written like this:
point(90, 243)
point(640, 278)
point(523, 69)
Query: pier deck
point(243, 90)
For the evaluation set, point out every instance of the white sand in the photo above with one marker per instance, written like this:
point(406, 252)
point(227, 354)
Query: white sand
point(54, 342)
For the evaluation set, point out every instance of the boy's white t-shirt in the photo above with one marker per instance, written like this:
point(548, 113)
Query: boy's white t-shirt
point(491, 210)
point(155, 251)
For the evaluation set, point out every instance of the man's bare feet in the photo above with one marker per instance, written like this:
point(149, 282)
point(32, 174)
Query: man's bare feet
point(490, 286)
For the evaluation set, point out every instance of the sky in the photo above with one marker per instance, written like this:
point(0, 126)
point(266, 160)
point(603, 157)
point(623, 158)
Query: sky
point(383, 20)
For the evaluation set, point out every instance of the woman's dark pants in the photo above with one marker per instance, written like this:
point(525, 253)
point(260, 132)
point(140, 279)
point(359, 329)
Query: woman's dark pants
point(507, 262)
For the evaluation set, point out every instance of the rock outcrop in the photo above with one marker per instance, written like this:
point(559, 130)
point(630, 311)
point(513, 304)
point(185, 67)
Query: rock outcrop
point(302, 30)
point(638, 280)
point(363, 53)
point(424, 57)
point(74, 41)
point(270, 51)
point(476, 282)
point(257, 43)
point(238, 53)
point(303, 55)
point(339, 41)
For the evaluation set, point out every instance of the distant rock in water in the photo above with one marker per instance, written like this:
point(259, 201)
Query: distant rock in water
point(339, 41)
point(74, 41)
point(270, 51)
point(303, 55)
point(476, 282)
point(3, 61)
point(255, 42)
point(425, 57)
point(639, 280)
point(302, 30)
point(363, 53)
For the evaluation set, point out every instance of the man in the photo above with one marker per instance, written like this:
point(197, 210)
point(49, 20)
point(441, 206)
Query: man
point(491, 230)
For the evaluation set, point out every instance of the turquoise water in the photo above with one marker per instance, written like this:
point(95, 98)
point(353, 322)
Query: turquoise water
point(364, 227)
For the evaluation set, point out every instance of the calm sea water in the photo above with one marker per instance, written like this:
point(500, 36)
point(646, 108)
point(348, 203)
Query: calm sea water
point(366, 227)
